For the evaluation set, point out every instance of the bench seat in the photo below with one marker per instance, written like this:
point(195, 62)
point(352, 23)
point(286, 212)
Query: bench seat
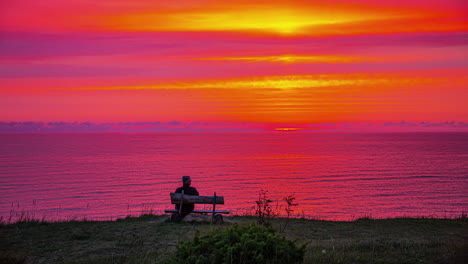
point(199, 211)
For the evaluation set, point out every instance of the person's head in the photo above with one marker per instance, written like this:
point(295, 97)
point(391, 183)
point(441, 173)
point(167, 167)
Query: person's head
point(186, 180)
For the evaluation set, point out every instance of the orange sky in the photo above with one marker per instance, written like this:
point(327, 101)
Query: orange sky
point(273, 62)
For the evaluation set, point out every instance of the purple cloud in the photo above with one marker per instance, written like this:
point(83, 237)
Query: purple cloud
point(177, 126)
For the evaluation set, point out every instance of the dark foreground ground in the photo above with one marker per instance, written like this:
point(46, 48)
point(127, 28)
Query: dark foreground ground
point(150, 239)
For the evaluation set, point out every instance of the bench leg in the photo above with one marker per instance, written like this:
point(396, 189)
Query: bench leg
point(176, 217)
point(218, 219)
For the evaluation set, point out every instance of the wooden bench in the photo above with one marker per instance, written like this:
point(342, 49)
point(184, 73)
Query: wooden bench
point(181, 198)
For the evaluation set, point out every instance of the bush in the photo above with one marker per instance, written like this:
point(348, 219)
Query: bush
point(239, 244)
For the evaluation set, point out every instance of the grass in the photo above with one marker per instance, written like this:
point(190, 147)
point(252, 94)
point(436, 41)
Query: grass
point(150, 239)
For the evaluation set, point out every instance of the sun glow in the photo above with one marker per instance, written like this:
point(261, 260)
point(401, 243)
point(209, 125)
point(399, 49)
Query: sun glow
point(287, 129)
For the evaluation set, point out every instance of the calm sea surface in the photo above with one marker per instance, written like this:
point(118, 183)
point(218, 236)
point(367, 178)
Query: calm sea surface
point(339, 176)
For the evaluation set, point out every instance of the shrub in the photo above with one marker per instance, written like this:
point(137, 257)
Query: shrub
point(239, 244)
point(263, 210)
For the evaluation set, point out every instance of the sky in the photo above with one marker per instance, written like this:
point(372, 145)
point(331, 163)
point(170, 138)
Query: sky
point(245, 64)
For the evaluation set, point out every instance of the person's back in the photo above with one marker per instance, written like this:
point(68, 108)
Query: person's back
point(187, 208)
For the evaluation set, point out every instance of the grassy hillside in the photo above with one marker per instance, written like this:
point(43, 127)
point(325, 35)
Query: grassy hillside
point(150, 239)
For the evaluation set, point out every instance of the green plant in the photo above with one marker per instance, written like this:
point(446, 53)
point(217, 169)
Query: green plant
point(239, 244)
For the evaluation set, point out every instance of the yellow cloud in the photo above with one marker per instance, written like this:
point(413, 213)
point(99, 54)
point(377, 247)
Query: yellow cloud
point(280, 18)
point(287, 82)
point(295, 58)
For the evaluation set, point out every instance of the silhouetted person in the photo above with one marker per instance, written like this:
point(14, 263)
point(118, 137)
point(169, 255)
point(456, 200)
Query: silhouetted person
point(187, 208)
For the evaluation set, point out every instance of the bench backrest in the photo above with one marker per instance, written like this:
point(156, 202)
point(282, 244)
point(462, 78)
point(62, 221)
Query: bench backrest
point(176, 198)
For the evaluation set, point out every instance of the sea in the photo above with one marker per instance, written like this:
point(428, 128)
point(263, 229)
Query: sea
point(338, 176)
